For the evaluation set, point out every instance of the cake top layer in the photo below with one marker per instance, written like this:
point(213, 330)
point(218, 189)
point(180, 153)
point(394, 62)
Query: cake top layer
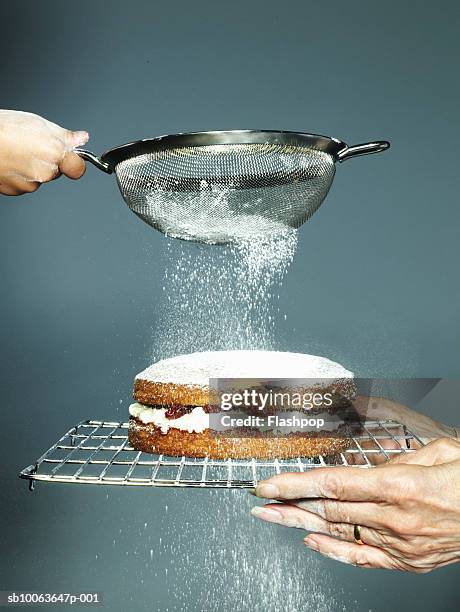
point(196, 369)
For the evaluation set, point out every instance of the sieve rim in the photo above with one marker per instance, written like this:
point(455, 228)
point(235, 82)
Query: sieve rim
point(329, 145)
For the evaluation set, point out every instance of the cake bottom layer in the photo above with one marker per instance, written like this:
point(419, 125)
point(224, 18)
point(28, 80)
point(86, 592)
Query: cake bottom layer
point(149, 439)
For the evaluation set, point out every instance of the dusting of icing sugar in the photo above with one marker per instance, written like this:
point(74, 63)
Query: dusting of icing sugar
point(209, 215)
point(196, 369)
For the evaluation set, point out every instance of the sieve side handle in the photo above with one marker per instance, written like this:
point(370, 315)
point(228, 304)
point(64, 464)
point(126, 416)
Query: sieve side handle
point(363, 149)
point(94, 159)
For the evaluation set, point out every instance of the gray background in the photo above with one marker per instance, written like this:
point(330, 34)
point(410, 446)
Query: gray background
point(374, 283)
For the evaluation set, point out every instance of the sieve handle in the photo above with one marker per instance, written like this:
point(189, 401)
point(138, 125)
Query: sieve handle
point(94, 159)
point(363, 149)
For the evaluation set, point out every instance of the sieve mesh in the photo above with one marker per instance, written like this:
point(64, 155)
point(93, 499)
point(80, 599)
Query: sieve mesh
point(222, 193)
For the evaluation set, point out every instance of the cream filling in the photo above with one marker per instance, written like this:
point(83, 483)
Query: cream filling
point(195, 421)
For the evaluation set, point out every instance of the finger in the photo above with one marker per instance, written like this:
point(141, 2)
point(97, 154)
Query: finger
point(401, 459)
point(7, 190)
point(17, 185)
point(75, 139)
point(439, 451)
point(57, 174)
point(346, 552)
point(292, 516)
point(354, 513)
point(44, 171)
point(344, 483)
point(72, 166)
point(29, 186)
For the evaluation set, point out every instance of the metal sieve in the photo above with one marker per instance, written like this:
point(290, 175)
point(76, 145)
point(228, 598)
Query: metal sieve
point(217, 187)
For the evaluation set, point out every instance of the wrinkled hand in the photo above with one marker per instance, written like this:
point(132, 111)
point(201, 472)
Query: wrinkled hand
point(408, 509)
point(422, 426)
point(34, 151)
point(382, 409)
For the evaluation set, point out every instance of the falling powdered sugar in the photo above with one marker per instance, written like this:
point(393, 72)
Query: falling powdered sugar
point(222, 298)
point(220, 558)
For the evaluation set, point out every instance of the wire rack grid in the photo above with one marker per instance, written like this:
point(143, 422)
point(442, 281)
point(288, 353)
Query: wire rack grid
point(98, 452)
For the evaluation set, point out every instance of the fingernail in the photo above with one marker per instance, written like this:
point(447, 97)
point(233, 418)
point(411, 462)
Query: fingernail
point(268, 490)
point(311, 544)
point(266, 514)
point(80, 138)
point(251, 492)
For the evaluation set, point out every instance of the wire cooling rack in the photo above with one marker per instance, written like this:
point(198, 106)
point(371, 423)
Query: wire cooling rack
point(98, 452)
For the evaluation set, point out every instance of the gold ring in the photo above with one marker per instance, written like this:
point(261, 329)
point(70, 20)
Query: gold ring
point(357, 534)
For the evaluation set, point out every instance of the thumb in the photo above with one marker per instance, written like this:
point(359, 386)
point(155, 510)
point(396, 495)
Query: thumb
point(75, 139)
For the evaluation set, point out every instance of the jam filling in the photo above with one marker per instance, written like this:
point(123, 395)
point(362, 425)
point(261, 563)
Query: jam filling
point(176, 412)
